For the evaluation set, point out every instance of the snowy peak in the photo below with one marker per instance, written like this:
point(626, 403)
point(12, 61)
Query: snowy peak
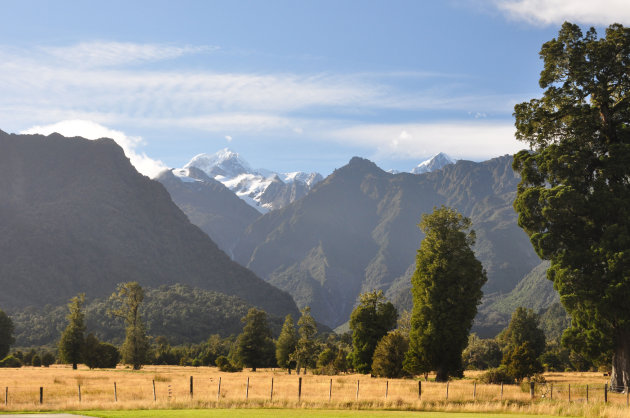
point(263, 189)
point(436, 162)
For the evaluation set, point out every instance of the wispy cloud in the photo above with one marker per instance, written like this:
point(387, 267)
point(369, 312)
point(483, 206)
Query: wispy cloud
point(546, 12)
point(92, 130)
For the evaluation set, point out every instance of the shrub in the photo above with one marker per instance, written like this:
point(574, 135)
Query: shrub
point(36, 361)
point(10, 361)
point(224, 365)
point(497, 376)
point(47, 359)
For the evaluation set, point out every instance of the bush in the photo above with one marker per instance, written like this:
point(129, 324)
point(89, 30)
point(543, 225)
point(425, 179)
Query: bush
point(389, 355)
point(36, 361)
point(224, 365)
point(497, 376)
point(10, 361)
point(47, 359)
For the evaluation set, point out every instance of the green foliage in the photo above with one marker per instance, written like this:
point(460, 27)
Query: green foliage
point(6, 334)
point(390, 354)
point(224, 365)
point(286, 344)
point(305, 350)
point(574, 197)
point(254, 347)
point(36, 361)
point(73, 340)
point(522, 362)
point(128, 300)
point(10, 361)
point(98, 354)
point(446, 291)
point(554, 321)
point(369, 322)
point(48, 358)
point(523, 328)
point(497, 376)
point(481, 353)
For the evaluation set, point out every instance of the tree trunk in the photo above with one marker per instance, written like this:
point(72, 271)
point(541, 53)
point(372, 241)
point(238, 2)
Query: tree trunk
point(620, 376)
point(441, 375)
point(74, 366)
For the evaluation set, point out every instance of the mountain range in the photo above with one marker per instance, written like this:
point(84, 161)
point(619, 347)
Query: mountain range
point(77, 217)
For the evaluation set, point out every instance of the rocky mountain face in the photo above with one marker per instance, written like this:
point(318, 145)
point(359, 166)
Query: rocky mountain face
point(77, 217)
point(210, 205)
point(262, 189)
point(357, 231)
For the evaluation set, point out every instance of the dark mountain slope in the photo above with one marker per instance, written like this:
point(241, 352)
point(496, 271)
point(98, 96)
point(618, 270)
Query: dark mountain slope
point(211, 206)
point(76, 217)
point(356, 231)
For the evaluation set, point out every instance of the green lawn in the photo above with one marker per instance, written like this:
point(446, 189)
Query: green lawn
point(280, 413)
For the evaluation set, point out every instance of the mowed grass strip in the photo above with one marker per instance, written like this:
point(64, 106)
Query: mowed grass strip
point(279, 413)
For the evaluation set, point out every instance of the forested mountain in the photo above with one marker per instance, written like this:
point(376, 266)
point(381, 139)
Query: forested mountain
point(356, 231)
point(210, 205)
point(77, 217)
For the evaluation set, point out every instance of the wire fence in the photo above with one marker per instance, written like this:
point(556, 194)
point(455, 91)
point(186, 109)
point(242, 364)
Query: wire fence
point(316, 389)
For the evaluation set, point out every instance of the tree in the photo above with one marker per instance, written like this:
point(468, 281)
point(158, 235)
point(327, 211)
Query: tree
point(254, 347)
point(304, 354)
point(73, 339)
point(446, 289)
point(524, 327)
point(286, 344)
point(521, 362)
point(369, 322)
point(98, 354)
point(481, 353)
point(128, 299)
point(390, 354)
point(6, 334)
point(574, 197)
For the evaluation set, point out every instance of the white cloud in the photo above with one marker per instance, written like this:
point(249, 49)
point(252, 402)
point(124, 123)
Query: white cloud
point(92, 130)
point(470, 140)
point(547, 12)
point(228, 138)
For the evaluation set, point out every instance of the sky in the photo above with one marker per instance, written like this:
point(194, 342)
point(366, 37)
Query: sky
point(289, 85)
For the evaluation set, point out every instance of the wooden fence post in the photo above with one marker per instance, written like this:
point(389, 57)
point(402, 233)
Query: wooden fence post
point(569, 392)
point(271, 393)
point(191, 387)
point(447, 390)
point(627, 396)
point(605, 392)
point(79, 392)
point(386, 388)
point(330, 391)
point(586, 393)
point(6, 396)
point(154, 397)
point(551, 391)
point(357, 389)
point(501, 391)
point(41, 395)
point(247, 389)
point(299, 389)
point(419, 389)
point(474, 391)
point(531, 389)
point(115, 393)
point(219, 390)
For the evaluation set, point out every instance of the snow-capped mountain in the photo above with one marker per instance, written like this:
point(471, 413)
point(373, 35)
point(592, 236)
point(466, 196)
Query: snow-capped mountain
point(436, 162)
point(263, 189)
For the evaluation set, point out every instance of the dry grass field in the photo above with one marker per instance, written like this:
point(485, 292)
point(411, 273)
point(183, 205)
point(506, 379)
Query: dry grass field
point(126, 389)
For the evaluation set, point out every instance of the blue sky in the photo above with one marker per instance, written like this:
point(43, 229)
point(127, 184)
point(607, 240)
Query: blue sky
point(290, 85)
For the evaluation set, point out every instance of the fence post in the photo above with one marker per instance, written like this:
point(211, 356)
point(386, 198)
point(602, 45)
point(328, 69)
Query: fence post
point(154, 397)
point(79, 392)
point(299, 389)
point(586, 393)
point(115, 393)
point(569, 392)
point(474, 391)
point(191, 387)
point(41, 395)
point(271, 393)
point(357, 389)
point(6, 396)
point(531, 389)
point(219, 390)
point(330, 391)
point(627, 396)
point(386, 388)
point(447, 390)
point(605, 392)
point(419, 389)
point(551, 391)
point(247, 389)
point(501, 391)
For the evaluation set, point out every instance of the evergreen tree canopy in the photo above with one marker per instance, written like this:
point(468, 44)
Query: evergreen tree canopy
point(136, 346)
point(304, 354)
point(286, 343)
point(574, 197)
point(73, 339)
point(389, 355)
point(6, 334)
point(524, 327)
point(446, 288)
point(370, 321)
point(254, 347)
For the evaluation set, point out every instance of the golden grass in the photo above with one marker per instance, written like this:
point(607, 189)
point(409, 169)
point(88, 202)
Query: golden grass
point(134, 390)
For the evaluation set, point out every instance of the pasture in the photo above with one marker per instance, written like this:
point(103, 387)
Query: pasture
point(59, 388)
